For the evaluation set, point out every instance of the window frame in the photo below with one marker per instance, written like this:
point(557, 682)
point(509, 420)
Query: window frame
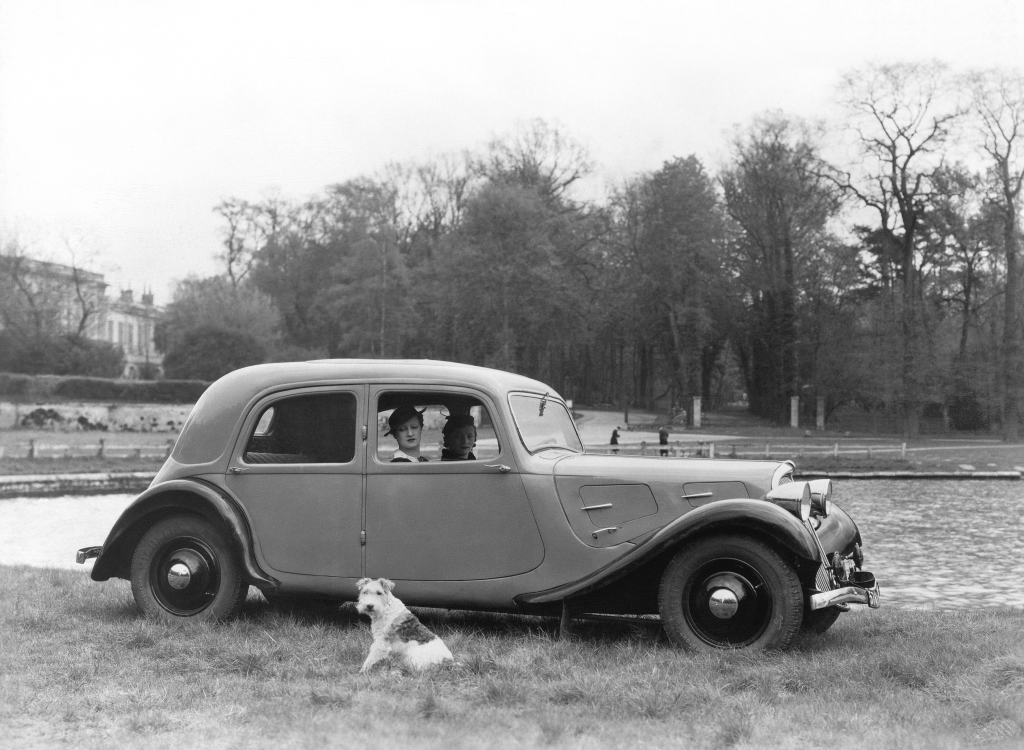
point(376, 465)
point(257, 410)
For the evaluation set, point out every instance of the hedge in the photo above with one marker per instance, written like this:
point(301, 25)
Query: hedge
point(70, 388)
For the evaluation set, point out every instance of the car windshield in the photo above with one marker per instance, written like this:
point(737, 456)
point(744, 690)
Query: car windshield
point(544, 423)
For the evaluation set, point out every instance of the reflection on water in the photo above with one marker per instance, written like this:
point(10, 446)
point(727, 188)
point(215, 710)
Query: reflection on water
point(47, 531)
point(945, 544)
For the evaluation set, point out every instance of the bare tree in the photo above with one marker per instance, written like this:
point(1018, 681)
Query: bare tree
point(250, 226)
point(902, 116)
point(539, 156)
point(997, 106)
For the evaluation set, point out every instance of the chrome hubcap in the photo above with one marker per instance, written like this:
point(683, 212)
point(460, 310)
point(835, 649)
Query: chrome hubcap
point(179, 576)
point(723, 603)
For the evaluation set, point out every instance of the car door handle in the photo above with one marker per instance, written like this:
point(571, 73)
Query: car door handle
point(500, 467)
point(236, 470)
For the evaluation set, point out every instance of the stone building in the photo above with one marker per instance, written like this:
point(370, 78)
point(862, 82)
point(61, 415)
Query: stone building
point(130, 325)
point(64, 299)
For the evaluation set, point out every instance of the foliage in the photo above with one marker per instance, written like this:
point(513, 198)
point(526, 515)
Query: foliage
point(782, 206)
point(133, 391)
point(207, 353)
point(214, 301)
point(886, 281)
point(60, 355)
point(26, 387)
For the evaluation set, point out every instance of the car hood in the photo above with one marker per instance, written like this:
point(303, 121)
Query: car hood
point(757, 475)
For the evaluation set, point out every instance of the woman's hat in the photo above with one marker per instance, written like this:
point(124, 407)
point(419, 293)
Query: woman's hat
point(455, 421)
point(401, 415)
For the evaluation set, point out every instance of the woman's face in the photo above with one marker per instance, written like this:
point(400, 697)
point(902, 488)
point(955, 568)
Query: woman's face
point(461, 440)
point(408, 435)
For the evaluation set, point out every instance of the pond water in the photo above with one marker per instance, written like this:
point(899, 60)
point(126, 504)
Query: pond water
point(943, 544)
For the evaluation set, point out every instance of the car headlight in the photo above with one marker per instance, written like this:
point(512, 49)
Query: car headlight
point(821, 497)
point(794, 497)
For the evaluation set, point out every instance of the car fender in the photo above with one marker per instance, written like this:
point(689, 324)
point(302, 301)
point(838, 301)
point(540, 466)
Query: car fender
point(751, 515)
point(161, 501)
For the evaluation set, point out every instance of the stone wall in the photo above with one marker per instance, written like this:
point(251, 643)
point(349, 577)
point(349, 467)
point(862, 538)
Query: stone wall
point(84, 416)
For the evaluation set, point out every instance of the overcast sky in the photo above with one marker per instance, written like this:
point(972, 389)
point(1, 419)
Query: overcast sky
point(123, 123)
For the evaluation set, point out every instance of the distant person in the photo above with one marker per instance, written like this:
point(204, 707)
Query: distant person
point(663, 440)
point(459, 434)
point(615, 440)
point(405, 425)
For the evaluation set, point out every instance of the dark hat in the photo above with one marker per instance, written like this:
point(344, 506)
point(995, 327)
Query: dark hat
point(455, 421)
point(401, 415)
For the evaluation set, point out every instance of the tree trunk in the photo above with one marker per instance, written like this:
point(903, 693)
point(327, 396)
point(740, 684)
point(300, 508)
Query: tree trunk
point(1011, 331)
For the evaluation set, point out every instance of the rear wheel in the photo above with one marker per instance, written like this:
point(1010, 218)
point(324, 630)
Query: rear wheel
point(183, 569)
point(730, 591)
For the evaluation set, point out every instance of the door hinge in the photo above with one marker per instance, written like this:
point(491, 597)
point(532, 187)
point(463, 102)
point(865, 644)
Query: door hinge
point(362, 538)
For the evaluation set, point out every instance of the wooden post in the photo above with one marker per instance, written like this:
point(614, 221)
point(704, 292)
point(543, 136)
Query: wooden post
point(711, 450)
point(103, 449)
point(31, 447)
point(835, 451)
point(696, 411)
point(138, 453)
point(565, 623)
point(794, 411)
point(767, 452)
point(903, 451)
point(819, 417)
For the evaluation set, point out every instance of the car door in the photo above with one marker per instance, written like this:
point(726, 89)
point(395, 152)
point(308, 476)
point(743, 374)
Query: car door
point(446, 520)
point(298, 472)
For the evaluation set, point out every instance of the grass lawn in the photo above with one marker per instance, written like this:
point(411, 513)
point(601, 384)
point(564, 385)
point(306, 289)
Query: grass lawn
point(79, 668)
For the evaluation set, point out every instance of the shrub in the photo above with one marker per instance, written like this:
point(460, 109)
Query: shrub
point(60, 355)
point(207, 352)
point(36, 387)
point(137, 391)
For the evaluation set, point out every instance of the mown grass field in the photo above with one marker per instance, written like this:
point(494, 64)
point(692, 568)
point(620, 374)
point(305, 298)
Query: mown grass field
point(79, 668)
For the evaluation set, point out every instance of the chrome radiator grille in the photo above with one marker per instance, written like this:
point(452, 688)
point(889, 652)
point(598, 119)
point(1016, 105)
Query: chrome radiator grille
point(823, 580)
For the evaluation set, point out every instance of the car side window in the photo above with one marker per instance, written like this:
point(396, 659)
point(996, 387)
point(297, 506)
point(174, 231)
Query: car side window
point(456, 427)
point(317, 428)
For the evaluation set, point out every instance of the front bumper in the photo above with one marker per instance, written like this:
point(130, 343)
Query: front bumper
point(863, 591)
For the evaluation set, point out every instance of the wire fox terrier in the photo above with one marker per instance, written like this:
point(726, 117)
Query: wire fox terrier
point(395, 629)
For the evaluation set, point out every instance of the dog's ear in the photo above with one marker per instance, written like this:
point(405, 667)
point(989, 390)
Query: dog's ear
point(387, 584)
point(362, 582)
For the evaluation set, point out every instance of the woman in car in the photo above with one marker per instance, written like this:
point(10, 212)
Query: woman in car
point(459, 434)
point(406, 425)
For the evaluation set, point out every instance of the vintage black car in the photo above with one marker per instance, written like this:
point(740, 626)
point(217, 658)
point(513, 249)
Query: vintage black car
point(285, 478)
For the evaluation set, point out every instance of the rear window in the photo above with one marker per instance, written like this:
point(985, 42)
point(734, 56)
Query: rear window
point(313, 429)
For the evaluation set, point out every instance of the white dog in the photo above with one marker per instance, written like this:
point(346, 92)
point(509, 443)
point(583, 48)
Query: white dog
point(395, 629)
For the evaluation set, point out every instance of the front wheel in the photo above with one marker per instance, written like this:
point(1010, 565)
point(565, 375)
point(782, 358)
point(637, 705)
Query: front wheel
point(819, 620)
point(183, 569)
point(730, 591)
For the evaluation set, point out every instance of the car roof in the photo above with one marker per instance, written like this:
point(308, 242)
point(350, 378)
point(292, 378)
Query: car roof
point(259, 377)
